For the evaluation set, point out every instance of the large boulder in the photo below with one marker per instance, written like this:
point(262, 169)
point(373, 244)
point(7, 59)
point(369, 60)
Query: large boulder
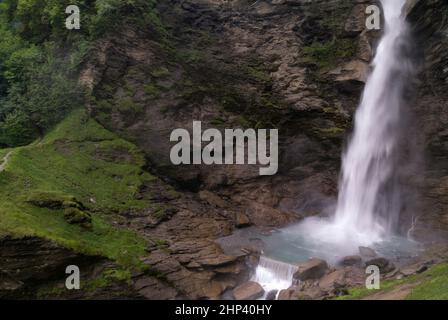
point(307, 290)
point(248, 291)
point(313, 269)
point(383, 264)
point(272, 295)
point(241, 220)
point(350, 261)
point(333, 283)
point(367, 252)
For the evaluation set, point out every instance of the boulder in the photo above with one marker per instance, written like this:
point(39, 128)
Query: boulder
point(286, 294)
point(366, 252)
point(333, 283)
point(272, 295)
point(308, 291)
point(241, 220)
point(382, 263)
point(248, 291)
point(350, 261)
point(414, 269)
point(313, 269)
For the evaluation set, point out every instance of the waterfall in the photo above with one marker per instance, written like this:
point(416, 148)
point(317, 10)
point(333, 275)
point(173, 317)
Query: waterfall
point(273, 275)
point(369, 200)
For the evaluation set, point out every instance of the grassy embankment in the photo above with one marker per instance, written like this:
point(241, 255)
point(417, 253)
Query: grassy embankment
point(429, 285)
point(79, 161)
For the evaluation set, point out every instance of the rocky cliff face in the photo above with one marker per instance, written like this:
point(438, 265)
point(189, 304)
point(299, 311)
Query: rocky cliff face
point(295, 65)
point(429, 22)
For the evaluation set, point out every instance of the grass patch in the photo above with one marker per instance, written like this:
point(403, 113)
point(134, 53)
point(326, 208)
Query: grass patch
point(434, 286)
point(429, 285)
point(64, 169)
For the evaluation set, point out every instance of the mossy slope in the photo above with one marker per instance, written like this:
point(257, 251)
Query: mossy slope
point(78, 160)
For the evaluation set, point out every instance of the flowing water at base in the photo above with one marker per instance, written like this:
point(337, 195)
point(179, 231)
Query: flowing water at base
point(284, 249)
point(295, 245)
point(273, 274)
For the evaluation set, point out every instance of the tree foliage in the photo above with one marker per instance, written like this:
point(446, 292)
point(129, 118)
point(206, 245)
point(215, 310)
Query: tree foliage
point(40, 58)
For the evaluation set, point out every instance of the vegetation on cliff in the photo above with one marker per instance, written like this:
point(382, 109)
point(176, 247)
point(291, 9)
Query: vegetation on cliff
point(78, 165)
point(40, 58)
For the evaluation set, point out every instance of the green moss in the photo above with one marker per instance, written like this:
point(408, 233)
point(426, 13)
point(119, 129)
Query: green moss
point(64, 170)
point(191, 56)
point(259, 74)
point(161, 72)
point(329, 132)
point(152, 90)
point(127, 105)
point(268, 102)
point(326, 55)
point(218, 122)
point(77, 216)
point(51, 200)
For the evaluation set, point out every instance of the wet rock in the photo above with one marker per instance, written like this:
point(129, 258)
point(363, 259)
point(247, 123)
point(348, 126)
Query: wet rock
point(272, 295)
point(353, 71)
point(286, 294)
point(365, 51)
point(382, 263)
point(356, 22)
point(265, 215)
point(152, 288)
point(409, 6)
point(241, 220)
point(366, 252)
point(29, 262)
point(213, 199)
point(307, 290)
point(334, 283)
point(350, 261)
point(313, 269)
point(355, 276)
point(248, 291)
point(414, 269)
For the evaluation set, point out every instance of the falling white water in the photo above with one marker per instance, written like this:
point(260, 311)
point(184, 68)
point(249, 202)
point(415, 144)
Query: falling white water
point(369, 201)
point(274, 275)
point(370, 162)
